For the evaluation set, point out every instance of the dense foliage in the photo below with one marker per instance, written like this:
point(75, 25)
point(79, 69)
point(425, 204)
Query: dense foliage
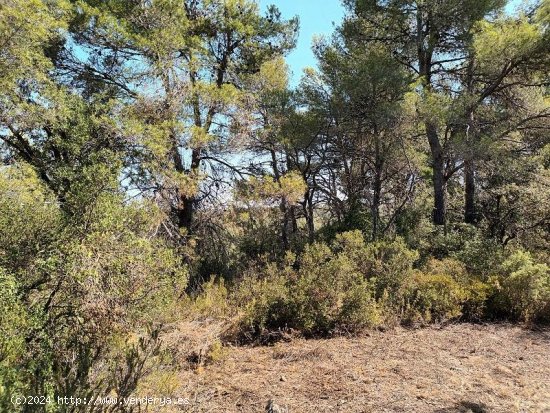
point(150, 148)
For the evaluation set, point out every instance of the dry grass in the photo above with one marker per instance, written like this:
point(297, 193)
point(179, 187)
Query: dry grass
point(458, 368)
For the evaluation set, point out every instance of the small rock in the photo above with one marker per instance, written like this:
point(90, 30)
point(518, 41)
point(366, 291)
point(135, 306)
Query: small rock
point(283, 378)
point(274, 408)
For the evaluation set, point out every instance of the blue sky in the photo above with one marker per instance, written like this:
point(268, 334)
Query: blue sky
point(316, 18)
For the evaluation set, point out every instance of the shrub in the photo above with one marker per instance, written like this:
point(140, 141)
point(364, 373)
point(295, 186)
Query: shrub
point(328, 292)
point(331, 292)
point(449, 266)
point(359, 309)
point(475, 306)
point(464, 243)
point(216, 352)
point(472, 291)
point(264, 303)
point(13, 321)
point(211, 302)
point(350, 285)
point(163, 383)
point(524, 290)
point(390, 264)
point(432, 297)
point(30, 221)
point(79, 283)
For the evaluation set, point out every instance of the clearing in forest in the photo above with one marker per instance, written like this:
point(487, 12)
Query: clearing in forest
point(456, 368)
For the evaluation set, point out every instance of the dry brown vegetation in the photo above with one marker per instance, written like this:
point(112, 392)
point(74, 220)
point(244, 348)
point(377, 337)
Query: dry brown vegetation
point(455, 368)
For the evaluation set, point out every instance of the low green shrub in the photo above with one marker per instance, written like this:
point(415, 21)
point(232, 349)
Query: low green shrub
point(476, 292)
point(454, 268)
point(524, 288)
point(465, 243)
point(328, 292)
point(475, 306)
point(210, 302)
point(264, 303)
point(359, 309)
point(389, 264)
point(13, 320)
point(432, 298)
point(71, 285)
point(386, 264)
point(350, 285)
point(331, 292)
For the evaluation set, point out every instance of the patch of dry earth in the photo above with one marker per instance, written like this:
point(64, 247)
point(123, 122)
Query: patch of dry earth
point(458, 368)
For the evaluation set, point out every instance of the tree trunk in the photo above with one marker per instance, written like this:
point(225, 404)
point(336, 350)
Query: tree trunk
point(469, 166)
point(469, 192)
point(375, 208)
point(377, 188)
point(284, 224)
point(283, 206)
point(438, 171)
point(186, 210)
point(309, 215)
point(425, 46)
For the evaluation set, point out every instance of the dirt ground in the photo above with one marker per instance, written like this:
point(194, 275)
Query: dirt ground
point(456, 368)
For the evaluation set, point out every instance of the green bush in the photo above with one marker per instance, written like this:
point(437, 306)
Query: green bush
point(331, 292)
point(524, 289)
point(264, 303)
point(432, 297)
point(73, 285)
point(211, 302)
point(359, 309)
point(389, 264)
point(466, 243)
point(327, 293)
point(350, 285)
point(13, 321)
point(444, 290)
point(454, 268)
point(30, 221)
point(478, 294)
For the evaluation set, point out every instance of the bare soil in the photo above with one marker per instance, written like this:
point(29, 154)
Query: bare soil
point(455, 368)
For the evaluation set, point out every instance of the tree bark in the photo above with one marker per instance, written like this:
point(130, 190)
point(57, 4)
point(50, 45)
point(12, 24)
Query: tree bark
point(425, 42)
point(377, 190)
point(284, 224)
point(308, 213)
point(188, 202)
point(286, 210)
point(438, 175)
point(469, 165)
point(469, 192)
